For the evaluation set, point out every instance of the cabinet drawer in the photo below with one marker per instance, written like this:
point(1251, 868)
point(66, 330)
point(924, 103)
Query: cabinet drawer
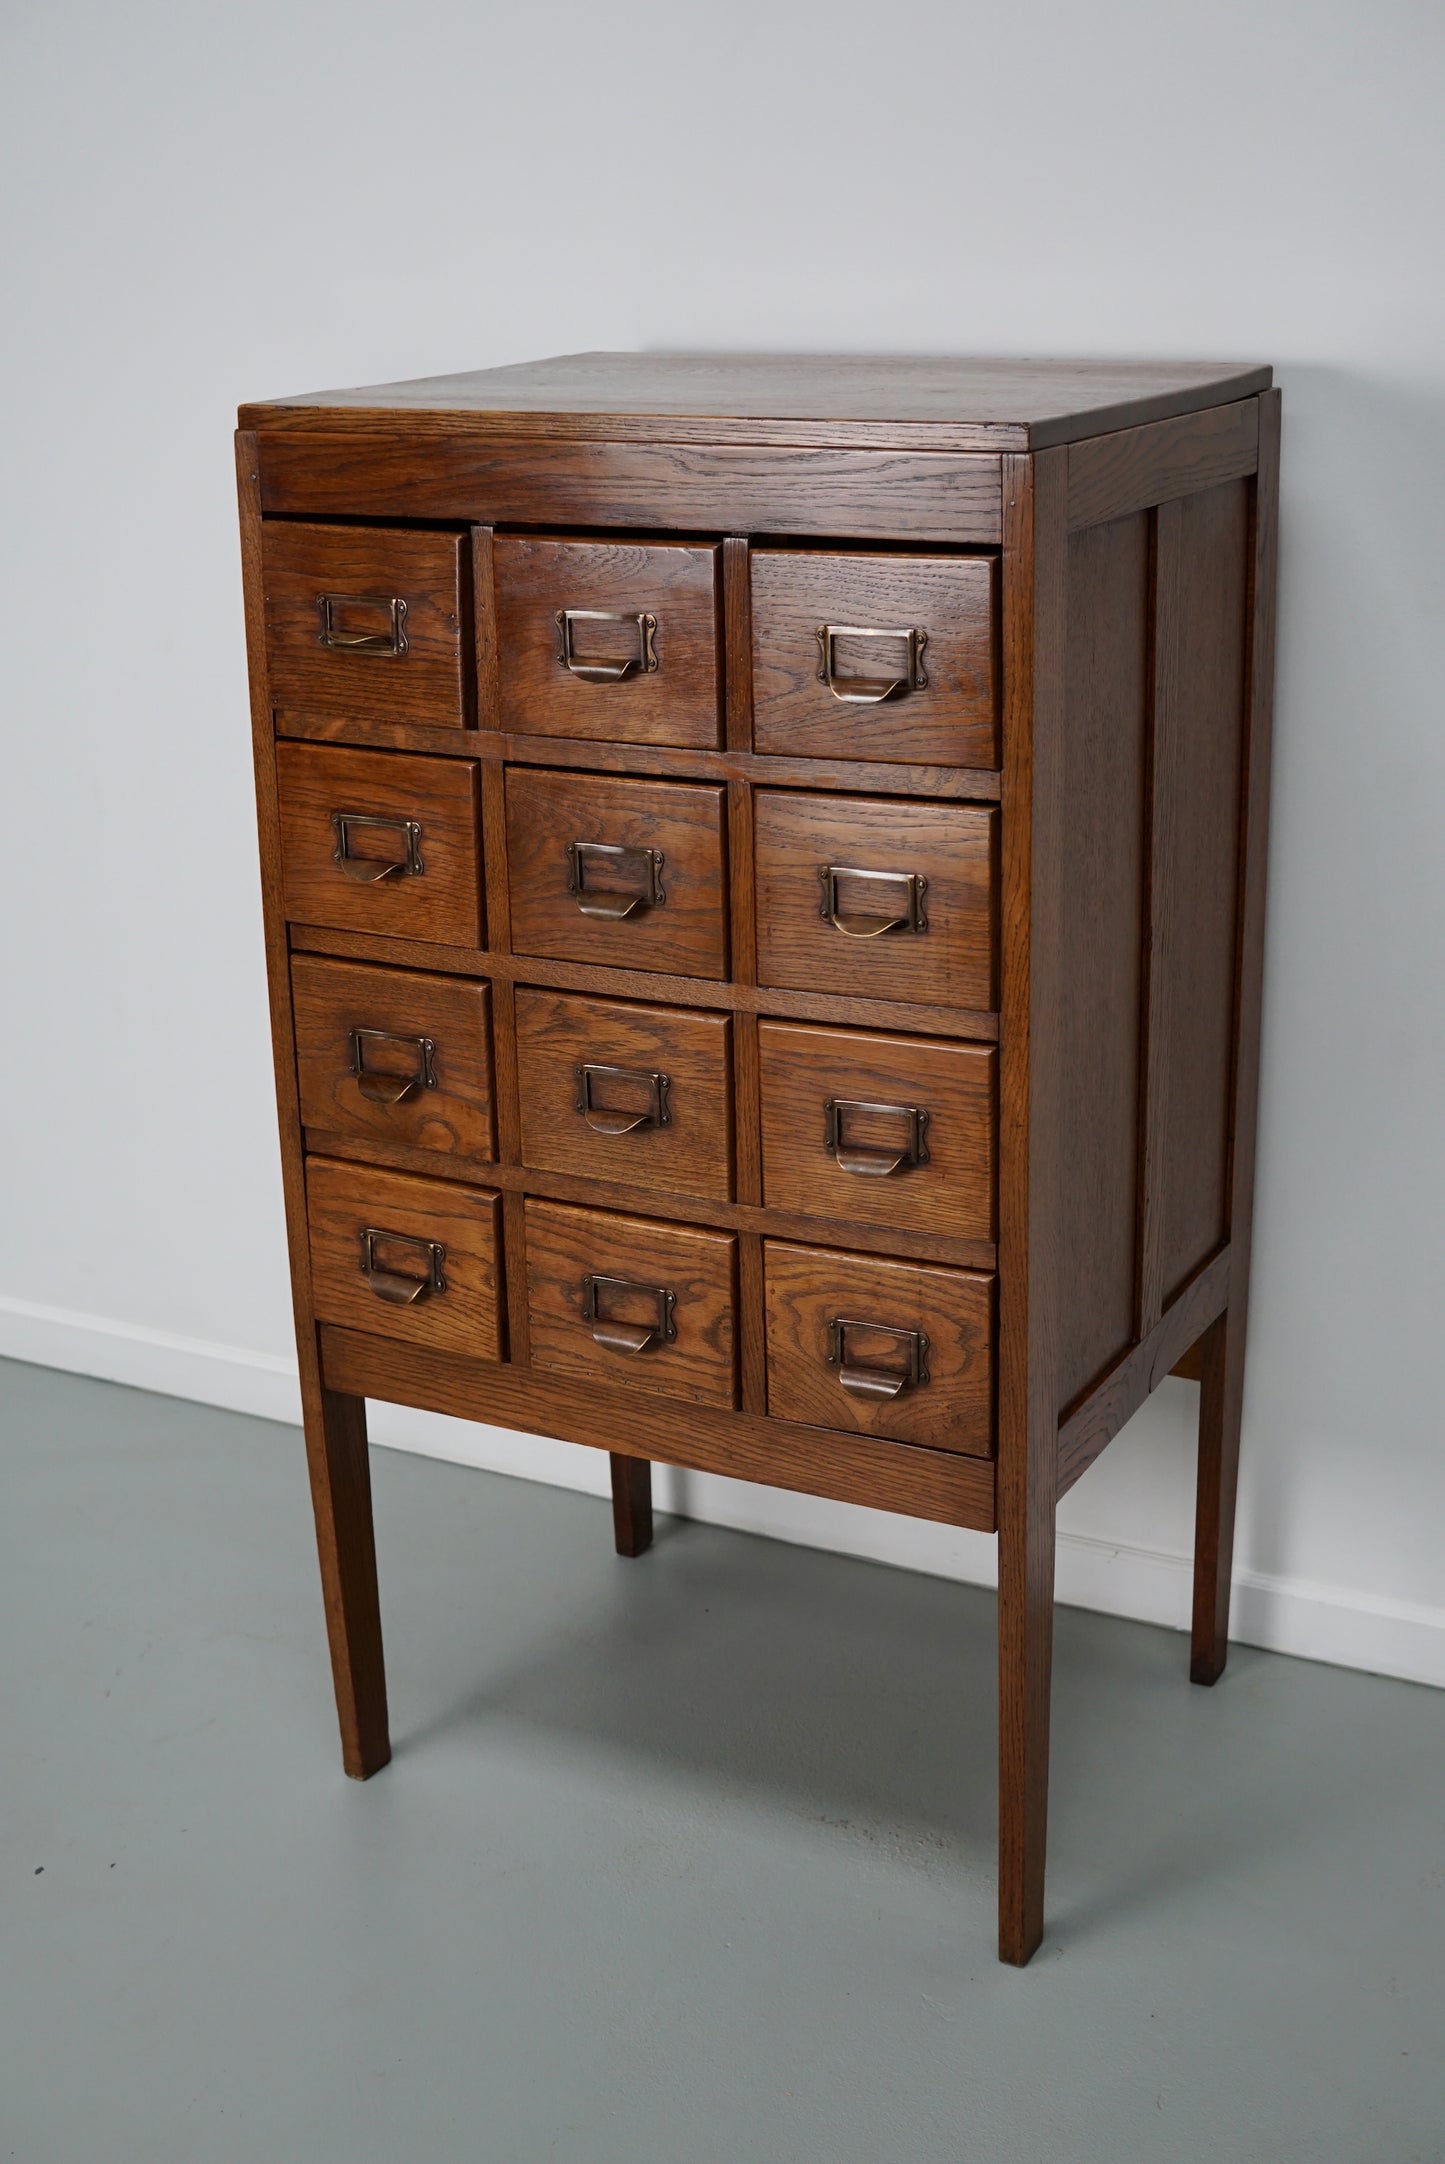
point(381, 841)
point(608, 639)
point(876, 895)
point(891, 1348)
point(617, 871)
point(875, 657)
point(394, 1053)
point(632, 1301)
point(622, 1092)
point(366, 621)
point(885, 1130)
point(403, 1257)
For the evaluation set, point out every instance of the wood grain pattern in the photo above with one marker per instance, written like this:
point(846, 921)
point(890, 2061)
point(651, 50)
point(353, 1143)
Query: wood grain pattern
point(921, 496)
point(938, 1484)
point(557, 1032)
point(363, 568)
point(737, 643)
point(948, 401)
point(1033, 1090)
point(334, 1422)
point(809, 1287)
point(332, 999)
point(972, 1022)
point(865, 777)
point(347, 1200)
point(952, 717)
point(442, 902)
point(951, 964)
point(1101, 979)
point(1134, 468)
point(677, 702)
point(566, 1245)
point(1090, 1427)
point(1221, 1398)
point(687, 933)
point(803, 1067)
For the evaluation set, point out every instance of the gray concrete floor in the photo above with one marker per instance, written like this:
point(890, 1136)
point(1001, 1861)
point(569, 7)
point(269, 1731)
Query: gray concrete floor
point(686, 1861)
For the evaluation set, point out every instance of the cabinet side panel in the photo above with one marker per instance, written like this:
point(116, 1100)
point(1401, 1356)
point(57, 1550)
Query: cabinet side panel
point(1106, 704)
point(1195, 884)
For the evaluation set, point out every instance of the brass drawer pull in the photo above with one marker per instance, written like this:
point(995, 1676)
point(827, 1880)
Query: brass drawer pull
point(605, 1120)
point(873, 1382)
point(906, 915)
point(642, 866)
point(401, 1287)
point(392, 1089)
point(629, 1337)
point(390, 642)
point(871, 1160)
point(404, 863)
point(870, 690)
point(607, 672)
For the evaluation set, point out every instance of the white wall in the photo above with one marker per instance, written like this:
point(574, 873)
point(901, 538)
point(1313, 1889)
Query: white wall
point(208, 203)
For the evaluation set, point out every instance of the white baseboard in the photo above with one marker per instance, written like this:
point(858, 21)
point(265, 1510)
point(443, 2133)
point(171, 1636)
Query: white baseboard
point(1336, 1624)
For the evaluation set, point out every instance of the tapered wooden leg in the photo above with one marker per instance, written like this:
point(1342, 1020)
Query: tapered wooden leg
point(1025, 1668)
point(631, 1504)
point(336, 1457)
point(1221, 1398)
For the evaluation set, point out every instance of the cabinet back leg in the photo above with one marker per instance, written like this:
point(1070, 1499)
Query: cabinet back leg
point(631, 1503)
point(1221, 1398)
point(340, 1471)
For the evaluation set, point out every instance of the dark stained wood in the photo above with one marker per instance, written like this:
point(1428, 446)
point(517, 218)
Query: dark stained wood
point(686, 932)
point(1111, 476)
point(941, 1485)
point(950, 963)
point(972, 1022)
point(488, 704)
point(1197, 877)
point(1189, 1367)
point(921, 496)
point(362, 570)
point(804, 1068)
point(334, 1421)
point(946, 401)
point(1222, 1393)
point(565, 1246)
point(347, 1200)
point(676, 702)
point(442, 901)
point(1033, 1090)
point(631, 1504)
point(951, 716)
point(737, 643)
point(616, 1195)
point(687, 1152)
point(811, 1288)
point(866, 777)
point(1107, 688)
point(1161, 896)
point(422, 1030)
point(1086, 1433)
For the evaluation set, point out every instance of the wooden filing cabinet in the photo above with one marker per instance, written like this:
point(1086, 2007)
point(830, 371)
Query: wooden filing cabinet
point(764, 880)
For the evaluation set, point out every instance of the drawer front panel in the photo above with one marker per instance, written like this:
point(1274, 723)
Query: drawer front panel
point(617, 1091)
point(634, 656)
point(381, 842)
point(876, 657)
point(884, 1130)
point(394, 1053)
point(834, 871)
point(366, 621)
point(404, 1257)
point(632, 1301)
point(628, 873)
point(903, 1349)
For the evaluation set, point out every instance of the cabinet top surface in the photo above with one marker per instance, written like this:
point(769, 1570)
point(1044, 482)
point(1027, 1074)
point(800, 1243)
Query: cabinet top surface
point(943, 403)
